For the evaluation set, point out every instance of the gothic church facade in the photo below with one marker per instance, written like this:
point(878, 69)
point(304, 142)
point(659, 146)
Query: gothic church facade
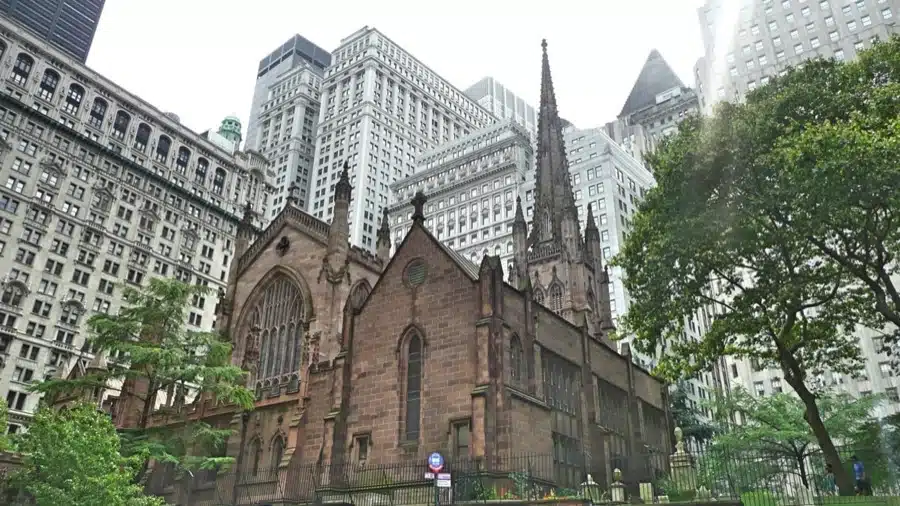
point(359, 360)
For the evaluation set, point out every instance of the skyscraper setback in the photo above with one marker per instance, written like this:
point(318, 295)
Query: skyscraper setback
point(68, 25)
point(381, 108)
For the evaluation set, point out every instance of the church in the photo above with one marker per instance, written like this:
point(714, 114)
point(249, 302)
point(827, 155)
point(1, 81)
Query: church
point(360, 360)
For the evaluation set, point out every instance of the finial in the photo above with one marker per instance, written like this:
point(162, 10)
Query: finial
point(418, 203)
point(544, 44)
point(343, 189)
point(293, 192)
point(248, 213)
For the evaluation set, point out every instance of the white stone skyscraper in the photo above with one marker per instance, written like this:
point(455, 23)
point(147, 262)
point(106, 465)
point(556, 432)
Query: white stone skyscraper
point(748, 42)
point(284, 116)
point(381, 108)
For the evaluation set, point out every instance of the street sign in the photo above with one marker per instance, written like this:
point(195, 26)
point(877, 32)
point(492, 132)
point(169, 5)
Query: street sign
point(429, 476)
point(435, 462)
point(443, 476)
point(443, 483)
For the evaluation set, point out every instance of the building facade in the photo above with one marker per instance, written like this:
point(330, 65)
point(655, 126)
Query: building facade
point(746, 44)
point(284, 116)
point(67, 25)
point(360, 363)
point(472, 186)
point(100, 189)
point(381, 108)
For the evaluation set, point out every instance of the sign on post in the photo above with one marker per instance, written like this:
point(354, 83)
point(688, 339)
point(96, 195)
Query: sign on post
point(435, 462)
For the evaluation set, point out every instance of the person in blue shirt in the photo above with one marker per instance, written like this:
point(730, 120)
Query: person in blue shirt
point(859, 472)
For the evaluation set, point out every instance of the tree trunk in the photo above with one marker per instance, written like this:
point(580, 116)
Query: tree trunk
point(149, 402)
point(814, 419)
point(804, 479)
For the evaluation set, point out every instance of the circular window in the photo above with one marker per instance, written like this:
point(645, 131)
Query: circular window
point(415, 272)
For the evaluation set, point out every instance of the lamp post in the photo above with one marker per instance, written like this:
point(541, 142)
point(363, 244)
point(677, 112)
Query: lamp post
point(590, 490)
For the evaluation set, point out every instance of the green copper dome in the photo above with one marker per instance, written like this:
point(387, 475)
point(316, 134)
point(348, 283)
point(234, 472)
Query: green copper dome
point(231, 129)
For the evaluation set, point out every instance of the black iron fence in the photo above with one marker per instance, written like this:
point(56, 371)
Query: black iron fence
point(523, 477)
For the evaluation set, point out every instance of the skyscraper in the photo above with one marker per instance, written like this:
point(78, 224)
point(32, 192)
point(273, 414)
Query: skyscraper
point(503, 103)
point(381, 108)
point(284, 116)
point(658, 101)
point(68, 25)
point(746, 43)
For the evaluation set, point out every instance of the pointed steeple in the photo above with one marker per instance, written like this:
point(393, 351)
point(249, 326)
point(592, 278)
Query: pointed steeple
point(590, 225)
point(520, 216)
point(383, 244)
point(554, 199)
point(342, 188)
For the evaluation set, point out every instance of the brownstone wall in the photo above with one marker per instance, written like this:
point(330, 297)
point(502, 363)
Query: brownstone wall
point(444, 309)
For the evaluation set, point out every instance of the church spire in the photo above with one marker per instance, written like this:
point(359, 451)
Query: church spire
point(554, 199)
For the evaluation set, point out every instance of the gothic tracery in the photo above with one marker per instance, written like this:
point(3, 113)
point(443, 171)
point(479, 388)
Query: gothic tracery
point(278, 320)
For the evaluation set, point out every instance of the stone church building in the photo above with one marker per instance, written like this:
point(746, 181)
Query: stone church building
point(363, 360)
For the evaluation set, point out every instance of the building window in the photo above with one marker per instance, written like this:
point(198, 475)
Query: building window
point(277, 451)
point(413, 387)
point(516, 361)
point(361, 445)
point(461, 439)
point(254, 453)
point(556, 298)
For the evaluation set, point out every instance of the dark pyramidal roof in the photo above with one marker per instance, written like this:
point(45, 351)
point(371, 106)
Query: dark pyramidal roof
point(656, 77)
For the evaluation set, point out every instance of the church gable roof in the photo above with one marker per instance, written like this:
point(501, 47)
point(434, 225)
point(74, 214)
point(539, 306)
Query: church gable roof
point(656, 76)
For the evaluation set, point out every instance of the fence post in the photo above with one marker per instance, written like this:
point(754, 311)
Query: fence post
point(617, 489)
point(682, 464)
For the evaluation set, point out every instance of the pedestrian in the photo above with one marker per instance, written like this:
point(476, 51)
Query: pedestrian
point(830, 485)
point(863, 487)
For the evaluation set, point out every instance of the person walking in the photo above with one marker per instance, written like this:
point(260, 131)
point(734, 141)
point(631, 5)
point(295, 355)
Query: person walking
point(830, 485)
point(859, 472)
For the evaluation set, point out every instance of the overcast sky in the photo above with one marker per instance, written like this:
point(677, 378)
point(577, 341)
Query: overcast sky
point(198, 58)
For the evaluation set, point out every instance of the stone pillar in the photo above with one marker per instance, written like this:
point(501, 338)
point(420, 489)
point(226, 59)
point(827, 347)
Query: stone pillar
point(682, 464)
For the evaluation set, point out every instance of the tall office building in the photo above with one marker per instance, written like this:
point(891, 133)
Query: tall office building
point(381, 108)
point(746, 43)
point(503, 103)
point(100, 190)
point(284, 116)
point(658, 101)
point(68, 25)
point(472, 185)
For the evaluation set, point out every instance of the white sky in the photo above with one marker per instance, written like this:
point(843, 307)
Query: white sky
point(198, 58)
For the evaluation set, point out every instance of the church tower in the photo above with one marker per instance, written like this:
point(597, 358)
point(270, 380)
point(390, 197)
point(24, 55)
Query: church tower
point(564, 268)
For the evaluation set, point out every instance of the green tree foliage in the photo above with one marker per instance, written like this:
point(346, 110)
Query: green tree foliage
point(5, 443)
point(756, 220)
point(72, 457)
point(775, 426)
point(158, 349)
point(685, 417)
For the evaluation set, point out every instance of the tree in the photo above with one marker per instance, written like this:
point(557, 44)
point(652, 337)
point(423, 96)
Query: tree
point(832, 130)
point(72, 457)
point(5, 443)
point(685, 417)
point(161, 352)
point(733, 229)
point(775, 426)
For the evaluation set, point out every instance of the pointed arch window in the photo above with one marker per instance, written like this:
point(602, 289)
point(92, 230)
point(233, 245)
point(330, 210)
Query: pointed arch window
point(278, 317)
point(556, 297)
point(277, 451)
point(516, 361)
point(413, 387)
point(254, 453)
point(539, 296)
